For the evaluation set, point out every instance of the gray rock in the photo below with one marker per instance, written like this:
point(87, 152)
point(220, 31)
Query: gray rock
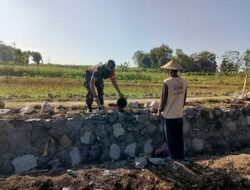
point(211, 116)
point(197, 144)
point(71, 173)
point(42, 160)
point(68, 188)
point(2, 104)
point(120, 164)
point(130, 150)
point(150, 129)
point(95, 152)
point(100, 131)
point(106, 172)
point(162, 150)
point(248, 120)
point(95, 117)
point(133, 105)
point(121, 116)
point(191, 114)
point(130, 137)
point(57, 128)
point(186, 126)
point(6, 166)
point(156, 161)
point(75, 156)
point(64, 158)
point(115, 152)
point(64, 142)
point(46, 107)
point(87, 137)
point(148, 148)
point(142, 119)
point(60, 109)
point(242, 121)
point(118, 130)
point(77, 122)
point(231, 125)
point(112, 117)
point(27, 110)
point(91, 183)
point(24, 163)
point(217, 112)
point(140, 162)
point(4, 112)
point(55, 164)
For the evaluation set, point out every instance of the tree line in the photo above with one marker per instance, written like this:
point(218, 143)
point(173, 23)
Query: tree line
point(204, 61)
point(16, 56)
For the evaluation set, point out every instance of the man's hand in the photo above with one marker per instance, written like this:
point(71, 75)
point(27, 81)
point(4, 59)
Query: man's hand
point(159, 113)
point(121, 95)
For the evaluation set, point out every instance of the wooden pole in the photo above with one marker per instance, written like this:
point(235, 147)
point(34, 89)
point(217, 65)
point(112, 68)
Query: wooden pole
point(244, 87)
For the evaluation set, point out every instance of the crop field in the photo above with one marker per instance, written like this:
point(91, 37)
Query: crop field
point(66, 83)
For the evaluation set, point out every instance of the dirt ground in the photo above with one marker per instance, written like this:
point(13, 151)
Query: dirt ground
point(18, 104)
point(221, 172)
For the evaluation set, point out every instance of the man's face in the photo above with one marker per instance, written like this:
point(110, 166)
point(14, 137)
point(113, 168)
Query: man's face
point(108, 68)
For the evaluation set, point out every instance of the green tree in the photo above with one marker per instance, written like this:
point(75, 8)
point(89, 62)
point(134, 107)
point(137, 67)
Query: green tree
point(21, 57)
point(246, 59)
point(206, 61)
point(160, 55)
point(18, 56)
point(37, 57)
point(124, 66)
point(187, 62)
point(142, 60)
point(231, 62)
point(6, 53)
point(25, 57)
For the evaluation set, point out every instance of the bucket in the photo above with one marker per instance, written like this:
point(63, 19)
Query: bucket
point(121, 104)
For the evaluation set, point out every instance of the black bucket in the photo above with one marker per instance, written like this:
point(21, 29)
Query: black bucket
point(121, 104)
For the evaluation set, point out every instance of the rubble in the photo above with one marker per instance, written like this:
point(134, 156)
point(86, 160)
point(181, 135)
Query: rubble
point(2, 105)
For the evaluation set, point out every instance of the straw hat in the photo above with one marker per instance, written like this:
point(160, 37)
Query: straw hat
point(172, 65)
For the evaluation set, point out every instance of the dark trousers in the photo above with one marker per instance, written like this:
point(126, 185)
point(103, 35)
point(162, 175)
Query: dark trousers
point(99, 86)
point(173, 129)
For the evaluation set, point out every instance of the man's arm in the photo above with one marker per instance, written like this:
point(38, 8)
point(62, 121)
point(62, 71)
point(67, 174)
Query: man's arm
point(185, 97)
point(116, 87)
point(92, 88)
point(164, 98)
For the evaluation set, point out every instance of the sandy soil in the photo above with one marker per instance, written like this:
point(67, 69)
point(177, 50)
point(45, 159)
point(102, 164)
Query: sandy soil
point(18, 104)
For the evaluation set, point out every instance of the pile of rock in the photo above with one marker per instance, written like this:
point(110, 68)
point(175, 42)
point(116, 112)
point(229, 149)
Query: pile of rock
point(2, 105)
point(101, 137)
point(152, 106)
point(238, 98)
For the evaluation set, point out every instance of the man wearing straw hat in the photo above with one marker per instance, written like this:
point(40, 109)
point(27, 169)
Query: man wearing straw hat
point(173, 99)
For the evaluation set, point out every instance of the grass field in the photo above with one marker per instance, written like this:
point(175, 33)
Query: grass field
point(66, 83)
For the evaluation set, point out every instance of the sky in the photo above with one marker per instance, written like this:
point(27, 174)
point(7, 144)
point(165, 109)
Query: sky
point(86, 32)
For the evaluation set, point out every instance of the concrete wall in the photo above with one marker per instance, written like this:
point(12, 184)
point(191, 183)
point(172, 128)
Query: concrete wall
point(65, 142)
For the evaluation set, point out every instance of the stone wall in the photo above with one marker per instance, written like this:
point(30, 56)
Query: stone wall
point(65, 142)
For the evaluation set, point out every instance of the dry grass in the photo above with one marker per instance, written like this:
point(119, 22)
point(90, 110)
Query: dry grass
point(37, 88)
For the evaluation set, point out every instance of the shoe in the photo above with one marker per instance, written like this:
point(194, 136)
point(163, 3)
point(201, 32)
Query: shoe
point(101, 107)
point(169, 159)
point(186, 160)
point(89, 110)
